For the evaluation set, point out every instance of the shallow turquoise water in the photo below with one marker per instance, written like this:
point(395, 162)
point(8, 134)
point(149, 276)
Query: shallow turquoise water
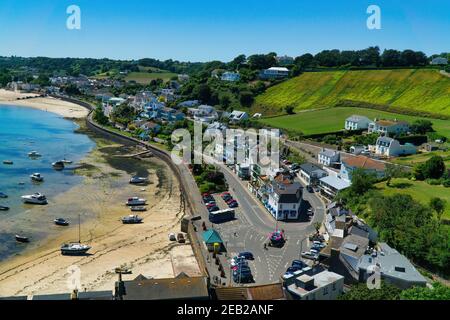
point(23, 130)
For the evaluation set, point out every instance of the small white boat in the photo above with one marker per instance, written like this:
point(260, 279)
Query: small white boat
point(34, 154)
point(138, 180)
point(132, 219)
point(135, 201)
point(74, 249)
point(37, 177)
point(65, 161)
point(36, 198)
point(58, 165)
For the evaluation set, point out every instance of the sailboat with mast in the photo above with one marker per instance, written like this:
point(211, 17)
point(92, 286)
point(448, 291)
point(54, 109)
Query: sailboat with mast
point(75, 248)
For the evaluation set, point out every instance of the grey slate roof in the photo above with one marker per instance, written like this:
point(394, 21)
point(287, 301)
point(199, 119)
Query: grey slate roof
point(309, 168)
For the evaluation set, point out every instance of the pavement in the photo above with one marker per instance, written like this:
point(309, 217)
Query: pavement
point(251, 228)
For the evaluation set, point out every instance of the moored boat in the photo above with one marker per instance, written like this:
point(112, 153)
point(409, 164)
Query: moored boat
point(61, 222)
point(22, 239)
point(3, 208)
point(65, 161)
point(3, 195)
point(75, 248)
point(34, 154)
point(58, 165)
point(37, 177)
point(132, 219)
point(36, 198)
point(135, 201)
point(138, 180)
point(138, 209)
point(8, 162)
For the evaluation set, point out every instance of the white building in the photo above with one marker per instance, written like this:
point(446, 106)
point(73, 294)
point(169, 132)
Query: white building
point(230, 76)
point(328, 157)
point(388, 127)
point(324, 285)
point(204, 113)
point(389, 147)
point(356, 122)
point(275, 73)
point(310, 173)
point(238, 116)
point(284, 200)
point(439, 61)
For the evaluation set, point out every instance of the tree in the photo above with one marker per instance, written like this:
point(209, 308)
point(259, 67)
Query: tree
point(100, 117)
point(434, 168)
point(422, 126)
point(438, 292)
point(438, 206)
point(289, 109)
point(361, 182)
point(203, 93)
point(392, 171)
point(362, 292)
point(246, 98)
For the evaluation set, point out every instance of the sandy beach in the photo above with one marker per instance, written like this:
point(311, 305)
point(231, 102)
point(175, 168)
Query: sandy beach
point(62, 108)
point(144, 248)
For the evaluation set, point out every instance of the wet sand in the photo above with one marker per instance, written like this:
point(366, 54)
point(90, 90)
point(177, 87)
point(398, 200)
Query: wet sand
point(62, 108)
point(144, 248)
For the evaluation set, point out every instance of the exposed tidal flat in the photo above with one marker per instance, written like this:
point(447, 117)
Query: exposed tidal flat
point(97, 193)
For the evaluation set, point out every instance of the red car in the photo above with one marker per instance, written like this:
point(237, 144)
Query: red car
point(231, 201)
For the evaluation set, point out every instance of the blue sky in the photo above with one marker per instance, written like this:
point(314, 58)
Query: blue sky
point(201, 30)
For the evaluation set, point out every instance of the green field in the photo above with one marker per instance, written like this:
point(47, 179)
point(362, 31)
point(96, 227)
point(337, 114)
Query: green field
point(333, 119)
point(419, 190)
point(419, 90)
point(422, 157)
point(146, 77)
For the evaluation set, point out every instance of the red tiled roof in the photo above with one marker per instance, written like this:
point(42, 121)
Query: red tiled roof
point(364, 163)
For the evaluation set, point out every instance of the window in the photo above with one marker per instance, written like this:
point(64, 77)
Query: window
point(334, 286)
point(325, 291)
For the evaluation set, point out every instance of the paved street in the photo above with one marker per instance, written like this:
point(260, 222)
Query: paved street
point(252, 226)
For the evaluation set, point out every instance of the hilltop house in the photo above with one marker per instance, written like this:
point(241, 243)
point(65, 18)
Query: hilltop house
point(389, 147)
point(230, 76)
point(285, 200)
point(350, 164)
point(274, 73)
point(238, 116)
point(328, 157)
point(388, 127)
point(356, 122)
point(310, 173)
point(439, 61)
point(284, 60)
point(204, 113)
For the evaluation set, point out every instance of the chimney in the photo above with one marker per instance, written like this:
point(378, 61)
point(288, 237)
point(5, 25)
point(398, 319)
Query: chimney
point(74, 295)
point(305, 282)
point(119, 288)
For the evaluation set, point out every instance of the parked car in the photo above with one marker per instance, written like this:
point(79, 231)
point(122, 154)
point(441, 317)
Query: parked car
point(236, 260)
point(319, 244)
point(293, 269)
point(309, 255)
point(172, 237)
point(233, 204)
point(247, 255)
point(230, 200)
point(298, 263)
point(213, 208)
point(310, 189)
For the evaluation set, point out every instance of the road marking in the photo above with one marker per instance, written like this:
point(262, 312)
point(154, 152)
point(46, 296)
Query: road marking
point(259, 258)
point(286, 265)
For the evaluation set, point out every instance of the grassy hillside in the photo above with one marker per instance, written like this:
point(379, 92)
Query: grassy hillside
point(419, 90)
point(333, 119)
point(419, 190)
point(146, 77)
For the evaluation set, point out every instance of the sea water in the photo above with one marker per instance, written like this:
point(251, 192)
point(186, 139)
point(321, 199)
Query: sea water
point(23, 130)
